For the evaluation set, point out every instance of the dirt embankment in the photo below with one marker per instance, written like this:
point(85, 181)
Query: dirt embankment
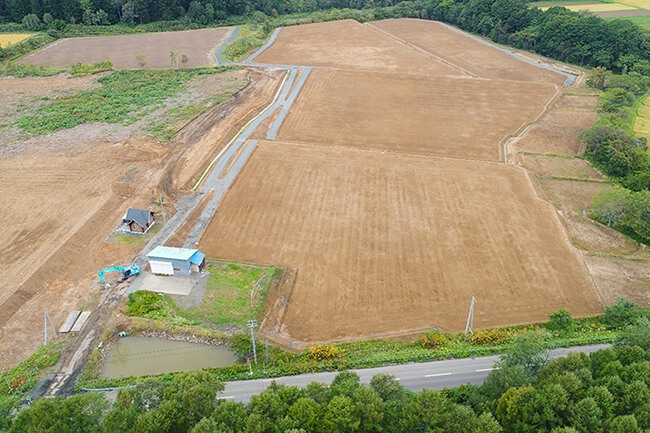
point(202, 139)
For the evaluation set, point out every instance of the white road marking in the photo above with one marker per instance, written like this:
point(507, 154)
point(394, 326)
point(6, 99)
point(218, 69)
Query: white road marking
point(438, 374)
point(397, 378)
point(227, 397)
point(484, 369)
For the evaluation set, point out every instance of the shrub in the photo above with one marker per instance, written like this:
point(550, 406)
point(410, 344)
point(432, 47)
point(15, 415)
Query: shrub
point(433, 339)
point(621, 314)
point(491, 337)
point(142, 303)
point(323, 351)
point(561, 321)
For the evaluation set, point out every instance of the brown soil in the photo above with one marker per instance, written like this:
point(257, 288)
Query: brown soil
point(391, 243)
point(465, 118)
point(63, 203)
point(622, 276)
point(465, 52)
point(571, 194)
point(180, 235)
point(350, 45)
point(197, 45)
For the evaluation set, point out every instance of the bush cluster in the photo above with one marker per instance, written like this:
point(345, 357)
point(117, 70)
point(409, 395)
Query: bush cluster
point(324, 351)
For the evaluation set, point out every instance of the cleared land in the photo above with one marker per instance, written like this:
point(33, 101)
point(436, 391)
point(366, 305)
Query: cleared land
point(465, 118)
point(388, 243)
point(465, 52)
point(65, 192)
point(350, 45)
point(197, 45)
point(7, 39)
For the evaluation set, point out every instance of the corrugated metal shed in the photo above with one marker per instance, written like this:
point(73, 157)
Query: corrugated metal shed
point(171, 253)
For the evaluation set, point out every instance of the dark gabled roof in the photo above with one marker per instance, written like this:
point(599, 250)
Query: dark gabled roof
point(138, 215)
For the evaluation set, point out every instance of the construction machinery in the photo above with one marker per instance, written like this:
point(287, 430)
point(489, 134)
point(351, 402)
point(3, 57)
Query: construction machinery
point(126, 272)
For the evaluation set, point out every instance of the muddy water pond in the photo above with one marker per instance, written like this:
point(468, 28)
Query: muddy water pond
point(139, 356)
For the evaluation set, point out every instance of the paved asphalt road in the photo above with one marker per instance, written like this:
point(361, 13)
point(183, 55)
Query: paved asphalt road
point(415, 377)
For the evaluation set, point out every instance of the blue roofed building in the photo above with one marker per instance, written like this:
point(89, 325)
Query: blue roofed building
point(175, 261)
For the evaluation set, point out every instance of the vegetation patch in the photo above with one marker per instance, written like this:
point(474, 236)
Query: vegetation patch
point(23, 377)
point(560, 331)
point(125, 97)
point(250, 38)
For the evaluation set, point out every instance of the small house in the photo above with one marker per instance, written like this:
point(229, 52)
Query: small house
point(175, 261)
point(137, 221)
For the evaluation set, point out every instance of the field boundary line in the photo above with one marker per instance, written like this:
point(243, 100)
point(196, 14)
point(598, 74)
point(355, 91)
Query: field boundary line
point(422, 50)
point(505, 141)
point(268, 43)
point(570, 78)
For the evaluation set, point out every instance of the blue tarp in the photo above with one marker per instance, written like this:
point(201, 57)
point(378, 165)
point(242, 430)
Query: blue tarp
point(197, 258)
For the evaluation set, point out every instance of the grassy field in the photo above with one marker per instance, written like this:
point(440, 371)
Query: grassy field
point(642, 21)
point(248, 40)
point(235, 293)
point(12, 38)
point(642, 121)
point(125, 97)
point(26, 375)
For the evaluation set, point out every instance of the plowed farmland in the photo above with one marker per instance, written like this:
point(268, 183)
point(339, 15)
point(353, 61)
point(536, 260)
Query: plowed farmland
point(197, 45)
point(350, 45)
point(466, 53)
point(391, 243)
point(465, 118)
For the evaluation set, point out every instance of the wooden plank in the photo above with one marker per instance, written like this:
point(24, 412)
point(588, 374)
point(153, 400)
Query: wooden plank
point(81, 321)
point(72, 317)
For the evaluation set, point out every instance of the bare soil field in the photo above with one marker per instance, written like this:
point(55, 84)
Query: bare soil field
point(468, 54)
point(350, 45)
point(465, 118)
point(197, 45)
point(390, 243)
point(63, 202)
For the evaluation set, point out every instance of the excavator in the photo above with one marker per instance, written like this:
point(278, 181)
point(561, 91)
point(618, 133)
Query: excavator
point(126, 272)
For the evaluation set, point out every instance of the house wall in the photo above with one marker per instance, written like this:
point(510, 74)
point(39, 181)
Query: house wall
point(181, 267)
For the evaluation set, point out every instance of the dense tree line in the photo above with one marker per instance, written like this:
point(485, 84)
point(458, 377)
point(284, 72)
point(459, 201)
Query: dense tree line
point(606, 391)
point(558, 33)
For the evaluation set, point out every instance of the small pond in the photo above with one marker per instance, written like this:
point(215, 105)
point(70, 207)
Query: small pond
point(140, 356)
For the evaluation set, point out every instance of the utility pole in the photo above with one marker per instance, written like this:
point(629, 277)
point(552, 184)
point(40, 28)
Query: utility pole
point(253, 324)
point(470, 318)
point(46, 320)
point(162, 209)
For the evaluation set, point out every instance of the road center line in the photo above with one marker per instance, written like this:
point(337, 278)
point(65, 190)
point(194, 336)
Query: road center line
point(438, 374)
point(485, 369)
point(229, 397)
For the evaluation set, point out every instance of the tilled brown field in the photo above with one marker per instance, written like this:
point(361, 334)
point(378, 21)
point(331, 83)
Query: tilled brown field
point(443, 116)
point(197, 45)
point(464, 52)
point(389, 243)
point(350, 45)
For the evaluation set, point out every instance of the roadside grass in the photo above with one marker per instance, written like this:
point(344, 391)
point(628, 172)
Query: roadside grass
point(430, 346)
point(24, 376)
point(125, 97)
